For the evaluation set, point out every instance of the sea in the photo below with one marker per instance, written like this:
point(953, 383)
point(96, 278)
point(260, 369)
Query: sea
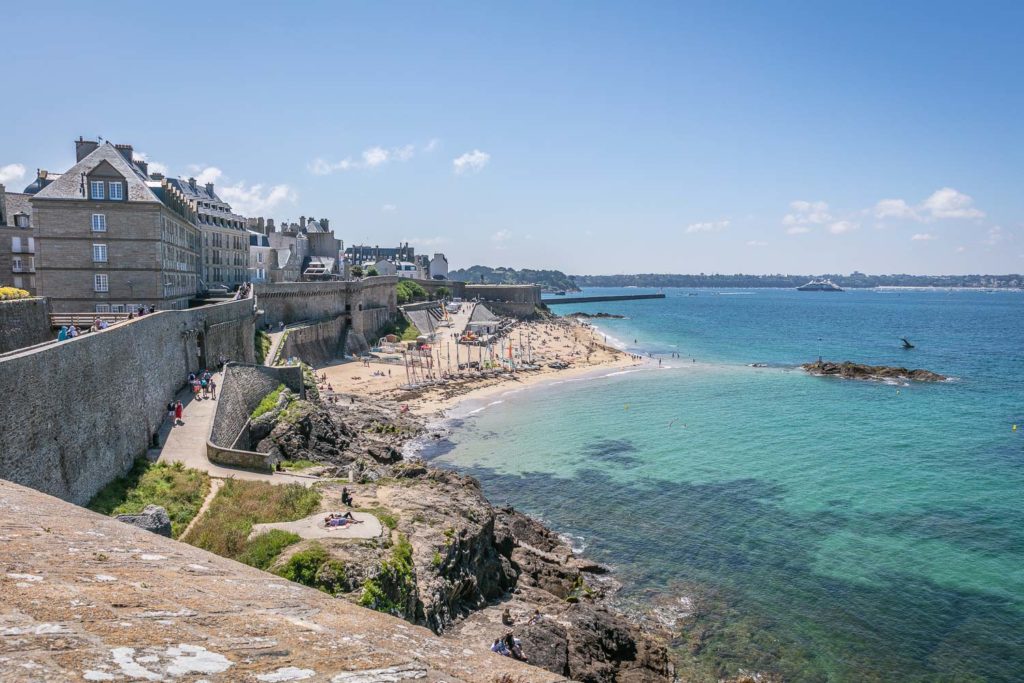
point(803, 528)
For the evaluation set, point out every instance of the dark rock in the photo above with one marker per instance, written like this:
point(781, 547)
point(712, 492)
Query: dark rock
point(848, 370)
point(152, 518)
point(546, 644)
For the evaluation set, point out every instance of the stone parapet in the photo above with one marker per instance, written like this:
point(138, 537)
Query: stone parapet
point(24, 322)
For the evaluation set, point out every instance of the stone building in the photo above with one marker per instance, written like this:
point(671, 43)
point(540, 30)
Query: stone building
point(225, 240)
point(359, 254)
point(111, 241)
point(438, 267)
point(259, 257)
point(301, 252)
point(17, 241)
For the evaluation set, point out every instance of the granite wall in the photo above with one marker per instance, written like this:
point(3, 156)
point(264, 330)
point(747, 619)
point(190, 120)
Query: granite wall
point(292, 302)
point(317, 343)
point(24, 322)
point(519, 301)
point(80, 411)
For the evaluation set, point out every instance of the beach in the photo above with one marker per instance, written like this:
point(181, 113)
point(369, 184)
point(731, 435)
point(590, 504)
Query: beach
point(581, 347)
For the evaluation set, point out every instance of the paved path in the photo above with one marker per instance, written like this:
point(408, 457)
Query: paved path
point(186, 443)
point(275, 343)
point(313, 527)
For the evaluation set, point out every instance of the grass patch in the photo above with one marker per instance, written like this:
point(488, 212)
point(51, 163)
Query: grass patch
point(174, 487)
point(313, 567)
point(384, 515)
point(261, 343)
point(268, 403)
point(296, 465)
point(401, 328)
point(261, 551)
point(240, 504)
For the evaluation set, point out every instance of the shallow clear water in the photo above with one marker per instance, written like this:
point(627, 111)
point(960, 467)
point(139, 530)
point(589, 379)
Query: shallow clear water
point(828, 530)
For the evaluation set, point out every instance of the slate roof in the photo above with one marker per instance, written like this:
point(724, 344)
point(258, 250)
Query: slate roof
point(69, 184)
point(199, 193)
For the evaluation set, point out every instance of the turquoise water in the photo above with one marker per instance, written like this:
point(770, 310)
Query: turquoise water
point(825, 530)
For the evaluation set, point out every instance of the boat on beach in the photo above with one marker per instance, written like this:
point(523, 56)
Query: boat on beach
point(822, 285)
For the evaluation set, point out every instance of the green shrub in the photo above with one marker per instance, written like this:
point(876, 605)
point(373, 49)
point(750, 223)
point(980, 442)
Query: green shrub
point(313, 567)
point(225, 527)
point(407, 290)
point(269, 402)
point(384, 515)
point(261, 551)
point(261, 342)
point(395, 584)
point(297, 464)
point(176, 488)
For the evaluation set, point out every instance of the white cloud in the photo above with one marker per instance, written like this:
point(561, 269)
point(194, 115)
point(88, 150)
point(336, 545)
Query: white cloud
point(711, 226)
point(423, 242)
point(961, 249)
point(923, 237)
point(948, 203)
point(757, 243)
point(387, 208)
point(804, 212)
point(471, 161)
point(371, 157)
point(995, 236)
point(798, 230)
point(431, 145)
point(501, 236)
point(895, 208)
point(210, 174)
point(842, 227)
point(153, 166)
point(11, 173)
point(255, 200)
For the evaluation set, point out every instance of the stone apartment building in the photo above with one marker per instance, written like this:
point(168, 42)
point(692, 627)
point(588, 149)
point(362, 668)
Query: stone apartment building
point(297, 252)
point(17, 241)
point(225, 250)
point(110, 240)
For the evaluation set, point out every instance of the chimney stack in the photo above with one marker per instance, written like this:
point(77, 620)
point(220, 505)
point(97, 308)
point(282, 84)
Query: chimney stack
point(157, 176)
point(270, 225)
point(302, 222)
point(324, 222)
point(209, 189)
point(142, 166)
point(84, 148)
point(126, 151)
point(192, 183)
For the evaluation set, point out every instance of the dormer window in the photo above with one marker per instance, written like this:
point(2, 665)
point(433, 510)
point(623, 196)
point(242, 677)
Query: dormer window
point(116, 190)
point(96, 189)
point(20, 220)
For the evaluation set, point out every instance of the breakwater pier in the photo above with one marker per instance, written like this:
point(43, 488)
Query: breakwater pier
point(550, 300)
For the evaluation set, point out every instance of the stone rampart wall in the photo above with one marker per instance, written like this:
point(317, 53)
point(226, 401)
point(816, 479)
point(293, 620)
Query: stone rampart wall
point(80, 411)
point(24, 322)
point(292, 302)
point(522, 294)
point(317, 343)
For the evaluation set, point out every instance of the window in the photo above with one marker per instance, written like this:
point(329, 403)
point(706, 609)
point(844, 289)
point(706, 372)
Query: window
point(96, 189)
point(100, 282)
point(103, 308)
point(117, 308)
point(99, 253)
point(259, 257)
point(21, 221)
point(99, 222)
point(16, 245)
point(18, 282)
point(116, 190)
point(17, 265)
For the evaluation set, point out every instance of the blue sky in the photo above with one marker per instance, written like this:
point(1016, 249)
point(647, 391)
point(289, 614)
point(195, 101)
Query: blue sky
point(590, 137)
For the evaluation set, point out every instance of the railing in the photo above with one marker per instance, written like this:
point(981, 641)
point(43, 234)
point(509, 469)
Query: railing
point(84, 319)
point(23, 269)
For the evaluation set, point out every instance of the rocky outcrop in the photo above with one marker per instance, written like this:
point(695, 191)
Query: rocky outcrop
point(848, 370)
point(607, 316)
point(152, 518)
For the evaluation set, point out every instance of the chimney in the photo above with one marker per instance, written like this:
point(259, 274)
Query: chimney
point(302, 222)
point(270, 225)
point(261, 225)
point(157, 176)
point(126, 151)
point(84, 148)
point(324, 222)
point(192, 183)
point(142, 166)
point(209, 189)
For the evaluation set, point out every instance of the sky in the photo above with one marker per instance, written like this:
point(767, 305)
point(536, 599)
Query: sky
point(590, 137)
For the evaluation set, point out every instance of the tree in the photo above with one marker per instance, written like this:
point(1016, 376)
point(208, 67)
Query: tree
point(442, 293)
point(372, 272)
point(357, 271)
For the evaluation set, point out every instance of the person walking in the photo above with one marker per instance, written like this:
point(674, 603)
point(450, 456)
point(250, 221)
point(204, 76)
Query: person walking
point(178, 410)
point(206, 387)
point(170, 412)
point(213, 389)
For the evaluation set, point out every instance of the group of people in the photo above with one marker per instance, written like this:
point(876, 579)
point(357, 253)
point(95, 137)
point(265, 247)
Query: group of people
point(142, 310)
point(509, 646)
point(343, 520)
point(243, 291)
point(203, 383)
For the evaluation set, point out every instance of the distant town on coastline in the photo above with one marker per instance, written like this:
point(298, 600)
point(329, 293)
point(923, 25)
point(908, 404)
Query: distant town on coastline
point(555, 280)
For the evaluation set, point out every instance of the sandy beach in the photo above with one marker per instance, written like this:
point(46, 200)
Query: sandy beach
point(565, 340)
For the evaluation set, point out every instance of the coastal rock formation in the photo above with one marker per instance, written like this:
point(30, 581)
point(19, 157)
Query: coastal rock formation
point(581, 314)
point(849, 370)
point(152, 518)
point(469, 560)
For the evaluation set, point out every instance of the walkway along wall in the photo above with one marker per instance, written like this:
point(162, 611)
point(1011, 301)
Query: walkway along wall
point(241, 390)
point(79, 412)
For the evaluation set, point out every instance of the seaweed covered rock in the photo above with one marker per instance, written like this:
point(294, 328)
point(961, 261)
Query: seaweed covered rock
point(849, 370)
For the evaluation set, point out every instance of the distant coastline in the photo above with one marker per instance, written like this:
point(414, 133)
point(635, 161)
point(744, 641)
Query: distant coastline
point(853, 281)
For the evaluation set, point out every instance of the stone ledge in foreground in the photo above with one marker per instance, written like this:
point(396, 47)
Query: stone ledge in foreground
point(86, 597)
